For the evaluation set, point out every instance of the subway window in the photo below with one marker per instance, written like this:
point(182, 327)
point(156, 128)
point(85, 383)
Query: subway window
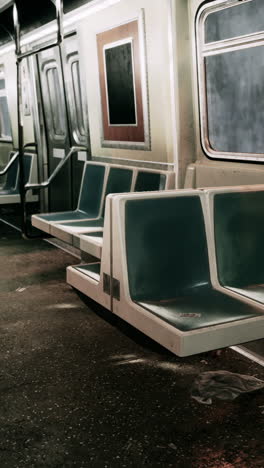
point(77, 98)
point(230, 49)
point(56, 103)
point(5, 124)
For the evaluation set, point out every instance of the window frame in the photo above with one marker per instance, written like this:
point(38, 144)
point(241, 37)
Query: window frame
point(3, 93)
point(114, 136)
point(204, 50)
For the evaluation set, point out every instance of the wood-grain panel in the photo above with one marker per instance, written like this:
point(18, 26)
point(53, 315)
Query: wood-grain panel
point(122, 133)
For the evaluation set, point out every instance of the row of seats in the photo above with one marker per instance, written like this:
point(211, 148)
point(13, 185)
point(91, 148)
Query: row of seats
point(83, 227)
point(9, 191)
point(185, 267)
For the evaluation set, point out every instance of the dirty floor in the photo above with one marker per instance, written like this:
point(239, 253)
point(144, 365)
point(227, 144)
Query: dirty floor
point(80, 388)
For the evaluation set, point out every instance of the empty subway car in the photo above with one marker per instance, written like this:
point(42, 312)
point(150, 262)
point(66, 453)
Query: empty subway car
point(133, 131)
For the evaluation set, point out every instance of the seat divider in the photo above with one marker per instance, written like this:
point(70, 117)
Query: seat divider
point(134, 180)
point(106, 175)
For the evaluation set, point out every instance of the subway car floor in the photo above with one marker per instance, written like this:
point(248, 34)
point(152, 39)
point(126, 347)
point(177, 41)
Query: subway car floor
point(79, 387)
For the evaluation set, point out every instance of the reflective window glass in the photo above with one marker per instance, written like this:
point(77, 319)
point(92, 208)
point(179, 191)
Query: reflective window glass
point(5, 120)
point(79, 111)
point(5, 124)
point(235, 100)
point(231, 79)
point(56, 103)
point(241, 19)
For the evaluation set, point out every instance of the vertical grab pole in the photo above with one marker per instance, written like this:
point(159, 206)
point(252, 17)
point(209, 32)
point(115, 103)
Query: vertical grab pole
point(59, 18)
point(19, 58)
point(20, 122)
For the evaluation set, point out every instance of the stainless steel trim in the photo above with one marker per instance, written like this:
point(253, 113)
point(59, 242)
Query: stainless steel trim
point(255, 41)
point(145, 145)
point(59, 20)
point(252, 356)
point(134, 162)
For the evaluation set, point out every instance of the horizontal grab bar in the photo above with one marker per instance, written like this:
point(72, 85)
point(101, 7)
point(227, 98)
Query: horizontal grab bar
point(47, 182)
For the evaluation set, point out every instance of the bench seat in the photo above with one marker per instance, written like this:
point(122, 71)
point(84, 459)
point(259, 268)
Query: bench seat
point(89, 204)
point(91, 243)
point(49, 224)
point(161, 259)
point(199, 308)
point(156, 257)
point(168, 263)
point(118, 179)
point(66, 231)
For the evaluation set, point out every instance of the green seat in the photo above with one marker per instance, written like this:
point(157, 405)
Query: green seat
point(199, 308)
point(92, 270)
point(11, 182)
point(119, 181)
point(145, 181)
point(168, 266)
point(28, 160)
point(11, 185)
point(239, 234)
point(89, 198)
point(149, 181)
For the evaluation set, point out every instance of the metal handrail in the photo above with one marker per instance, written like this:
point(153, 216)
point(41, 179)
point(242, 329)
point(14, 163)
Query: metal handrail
point(57, 169)
point(9, 164)
point(13, 159)
point(59, 15)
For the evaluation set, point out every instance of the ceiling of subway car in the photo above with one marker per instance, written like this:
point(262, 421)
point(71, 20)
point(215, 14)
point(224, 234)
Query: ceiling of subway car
point(32, 14)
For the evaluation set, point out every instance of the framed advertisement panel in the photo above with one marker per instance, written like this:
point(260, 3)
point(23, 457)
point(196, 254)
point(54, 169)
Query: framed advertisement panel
point(123, 86)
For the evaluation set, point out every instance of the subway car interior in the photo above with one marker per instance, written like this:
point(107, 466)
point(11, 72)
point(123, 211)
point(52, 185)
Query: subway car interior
point(131, 231)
